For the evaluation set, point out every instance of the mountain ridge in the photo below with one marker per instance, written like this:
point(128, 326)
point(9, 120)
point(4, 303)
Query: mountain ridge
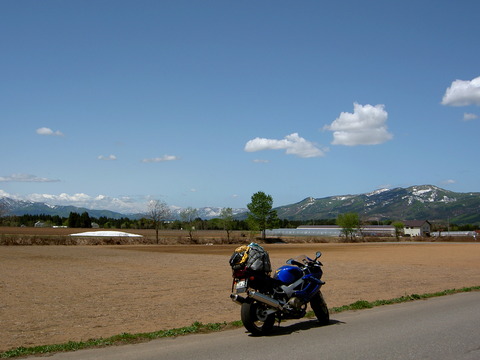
point(415, 202)
point(419, 202)
point(22, 207)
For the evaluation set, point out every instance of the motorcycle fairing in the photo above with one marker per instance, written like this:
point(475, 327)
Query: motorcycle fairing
point(287, 274)
point(290, 289)
point(312, 287)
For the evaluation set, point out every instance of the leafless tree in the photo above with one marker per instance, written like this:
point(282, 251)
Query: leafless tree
point(158, 212)
point(3, 210)
point(188, 217)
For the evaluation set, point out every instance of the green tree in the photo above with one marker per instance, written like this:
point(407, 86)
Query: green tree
point(399, 226)
point(226, 217)
point(350, 223)
point(261, 212)
point(74, 220)
point(85, 221)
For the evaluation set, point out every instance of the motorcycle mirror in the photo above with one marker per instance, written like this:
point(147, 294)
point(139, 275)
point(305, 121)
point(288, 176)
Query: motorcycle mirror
point(318, 254)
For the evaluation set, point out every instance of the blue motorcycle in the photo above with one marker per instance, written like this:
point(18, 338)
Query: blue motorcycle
point(265, 299)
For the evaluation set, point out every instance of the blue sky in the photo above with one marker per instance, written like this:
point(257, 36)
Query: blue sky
point(109, 104)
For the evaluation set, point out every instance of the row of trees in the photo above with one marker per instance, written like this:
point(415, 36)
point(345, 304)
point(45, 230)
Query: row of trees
point(122, 223)
point(351, 225)
point(261, 216)
point(159, 216)
point(74, 220)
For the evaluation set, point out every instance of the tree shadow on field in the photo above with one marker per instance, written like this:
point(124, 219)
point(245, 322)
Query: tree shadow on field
point(300, 326)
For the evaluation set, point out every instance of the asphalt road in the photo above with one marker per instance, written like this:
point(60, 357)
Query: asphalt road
point(446, 327)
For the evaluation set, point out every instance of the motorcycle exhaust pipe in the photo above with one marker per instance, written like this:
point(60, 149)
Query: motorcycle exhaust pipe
point(237, 298)
point(264, 299)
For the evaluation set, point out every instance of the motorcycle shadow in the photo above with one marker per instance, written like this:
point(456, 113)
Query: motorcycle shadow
point(300, 326)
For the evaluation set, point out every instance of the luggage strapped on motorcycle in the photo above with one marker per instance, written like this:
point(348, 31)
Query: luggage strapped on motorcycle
point(252, 257)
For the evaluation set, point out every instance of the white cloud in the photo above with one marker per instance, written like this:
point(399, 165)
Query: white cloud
point(48, 132)
point(462, 93)
point(109, 157)
point(261, 161)
point(5, 194)
point(469, 116)
point(122, 204)
point(366, 126)
point(25, 178)
point(62, 199)
point(293, 144)
point(161, 159)
point(448, 182)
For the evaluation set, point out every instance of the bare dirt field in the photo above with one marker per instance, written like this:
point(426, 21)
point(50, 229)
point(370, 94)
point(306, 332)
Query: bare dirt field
point(54, 294)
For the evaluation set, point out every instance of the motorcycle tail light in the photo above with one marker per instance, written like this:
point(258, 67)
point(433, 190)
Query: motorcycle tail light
point(251, 278)
point(240, 273)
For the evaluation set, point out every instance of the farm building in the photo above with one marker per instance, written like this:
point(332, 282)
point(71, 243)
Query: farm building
point(332, 230)
point(327, 230)
point(472, 234)
point(367, 230)
point(411, 228)
point(417, 228)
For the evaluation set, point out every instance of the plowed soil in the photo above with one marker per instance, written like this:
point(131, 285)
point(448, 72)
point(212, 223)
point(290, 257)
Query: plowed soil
point(54, 294)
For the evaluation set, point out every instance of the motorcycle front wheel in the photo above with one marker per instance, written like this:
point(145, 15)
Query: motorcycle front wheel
point(255, 318)
point(319, 307)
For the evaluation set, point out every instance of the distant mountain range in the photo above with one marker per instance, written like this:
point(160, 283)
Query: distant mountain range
point(424, 202)
point(20, 207)
point(208, 212)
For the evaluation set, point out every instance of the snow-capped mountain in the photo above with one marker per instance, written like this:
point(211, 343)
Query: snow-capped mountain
point(206, 212)
point(415, 202)
point(21, 207)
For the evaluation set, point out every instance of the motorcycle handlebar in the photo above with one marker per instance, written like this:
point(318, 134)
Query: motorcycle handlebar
point(299, 264)
point(306, 263)
point(294, 262)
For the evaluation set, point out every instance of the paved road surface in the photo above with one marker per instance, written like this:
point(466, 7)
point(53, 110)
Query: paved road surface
point(446, 327)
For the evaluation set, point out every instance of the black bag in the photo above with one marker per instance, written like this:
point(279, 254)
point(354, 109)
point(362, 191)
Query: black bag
point(252, 257)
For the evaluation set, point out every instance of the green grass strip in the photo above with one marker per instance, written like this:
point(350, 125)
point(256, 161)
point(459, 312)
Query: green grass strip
point(198, 327)
point(363, 304)
point(124, 338)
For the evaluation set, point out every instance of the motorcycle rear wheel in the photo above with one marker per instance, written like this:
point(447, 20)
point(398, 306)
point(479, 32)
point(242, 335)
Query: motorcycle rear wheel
point(255, 319)
point(319, 307)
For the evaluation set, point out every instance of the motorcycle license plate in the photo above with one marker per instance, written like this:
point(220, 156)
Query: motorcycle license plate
point(241, 286)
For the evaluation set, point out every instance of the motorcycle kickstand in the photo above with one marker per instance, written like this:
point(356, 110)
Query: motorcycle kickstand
point(279, 319)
